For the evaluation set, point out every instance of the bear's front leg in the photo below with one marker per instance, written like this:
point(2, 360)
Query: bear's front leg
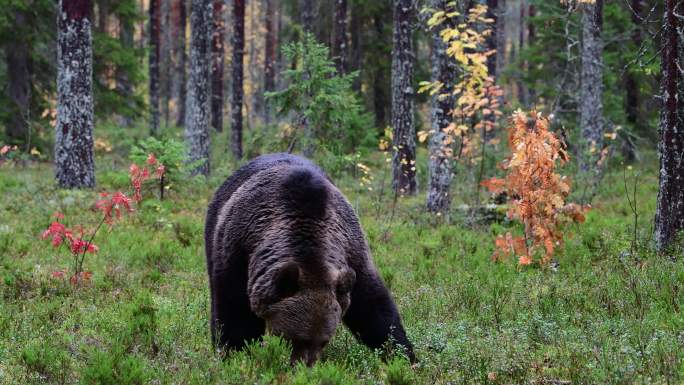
point(233, 324)
point(373, 317)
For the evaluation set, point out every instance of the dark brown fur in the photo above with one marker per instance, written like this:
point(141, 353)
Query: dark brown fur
point(285, 251)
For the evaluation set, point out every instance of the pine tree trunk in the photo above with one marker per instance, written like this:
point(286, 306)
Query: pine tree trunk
point(197, 110)
point(669, 218)
point(501, 36)
point(270, 54)
point(355, 59)
point(182, 59)
point(531, 35)
point(123, 83)
point(154, 37)
point(492, 13)
point(339, 50)
point(307, 14)
point(217, 67)
point(522, 88)
point(591, 89)
point(166, 61)
point(238, 91)
point(631, 84)
point(17, 56)
point(379, 81)
point(439, 162)
point(404, 142)
point(74, 165)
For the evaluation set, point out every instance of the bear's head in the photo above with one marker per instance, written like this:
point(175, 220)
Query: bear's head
point(305, 308)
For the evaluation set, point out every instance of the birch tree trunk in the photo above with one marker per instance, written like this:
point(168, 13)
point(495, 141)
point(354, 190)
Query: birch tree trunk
point(17, 59)
point(440, 166)
point(238, 90)
point(197, 110)
point(154, 35)
point(404, 142)
point(74, 165)
point(669, 218)
point(339, 48)
point(182, 59)
point(591, 90)
point(217, 67)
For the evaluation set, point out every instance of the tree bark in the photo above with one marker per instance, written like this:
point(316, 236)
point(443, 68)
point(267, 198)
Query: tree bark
point(591, 88)
point(492, 39)
point(270, 55)
point(182, 59)
point(379, 81)
point(238, 91)
point(217, 67)
point(197, 110)
point(74, 165)
point(669, 218)
point(166, 64)
point(339, 48)
point(17, 56)
point(631, 84)
point(154, 36)
point(404, 142)
point(355, 59)
point(123, 83)
point(522, 88)
point(307, 14)
point(440, 166)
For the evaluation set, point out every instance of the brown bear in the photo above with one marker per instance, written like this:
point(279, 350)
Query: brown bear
point(285, 252)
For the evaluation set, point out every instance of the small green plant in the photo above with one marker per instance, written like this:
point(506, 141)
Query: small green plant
point(325, 107)
point(169, 155)
point(113, 368)
point(47, 360)
point(399, 372)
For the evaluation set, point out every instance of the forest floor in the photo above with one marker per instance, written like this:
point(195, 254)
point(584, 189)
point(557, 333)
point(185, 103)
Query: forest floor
point(603, 315)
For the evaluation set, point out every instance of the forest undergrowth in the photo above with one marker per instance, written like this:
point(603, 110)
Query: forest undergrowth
point(608, 309)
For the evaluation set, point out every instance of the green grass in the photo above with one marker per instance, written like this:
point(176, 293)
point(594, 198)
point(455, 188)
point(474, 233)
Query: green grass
point(604, 315)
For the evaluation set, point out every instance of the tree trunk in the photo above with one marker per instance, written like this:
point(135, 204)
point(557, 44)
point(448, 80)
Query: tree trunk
point(17, 56)
point(339, 48)
point(123, 83)
point(154, 13)
point(217, 67)
point(355, 59)
point(379, 80)
point(439, 162)
point(307, 12)
point(74, 165)
point(166, 61)
point(501, 35)
point(270, 55)
point(522, 88)
point(492, 39)
point(197, 110)
point(404, 142)
point(591, 89)
point(238, 91)
point(531, 35)
point(631, 84)
point(669, 218)
point(182, 59)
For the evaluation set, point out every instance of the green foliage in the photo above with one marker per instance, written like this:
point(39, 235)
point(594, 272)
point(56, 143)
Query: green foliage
point(170, 152)
point(113, 368)
point(399, 372)
point(46, 359)
point(321, 99)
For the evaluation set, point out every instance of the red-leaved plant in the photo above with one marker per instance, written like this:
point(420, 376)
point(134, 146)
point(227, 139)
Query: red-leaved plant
point(78, 240)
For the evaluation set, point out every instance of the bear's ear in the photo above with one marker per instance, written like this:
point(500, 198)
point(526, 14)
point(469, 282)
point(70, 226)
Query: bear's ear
point(286, 280)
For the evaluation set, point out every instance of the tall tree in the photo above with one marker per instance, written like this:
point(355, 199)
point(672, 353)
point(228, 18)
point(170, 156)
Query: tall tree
point(669, 218)
point(74, 165)
point(270, 53)
point(339, 48)
point(591, 88)
point(154, 42)
point(124, 82)
point(404, 142)
point(238, 90)
point(492, 39)
point(307, 15)
point(182, 59)
point(631, 83)
point(166, 64)
point(197, 110)
point(440, 166)
point(217, 67)
point(18, 59)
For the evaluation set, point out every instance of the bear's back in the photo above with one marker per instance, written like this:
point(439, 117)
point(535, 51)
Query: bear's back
point(242, 175)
